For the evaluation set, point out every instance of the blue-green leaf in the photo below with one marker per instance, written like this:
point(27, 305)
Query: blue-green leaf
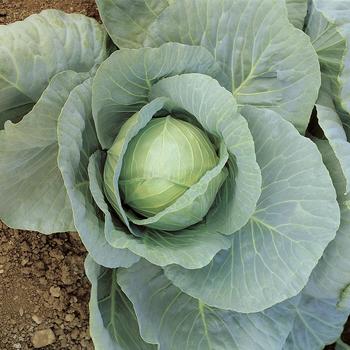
point(77, 142)
point(32, 192)
point(296, 217)
point(34, 50)
point(113, 323)
point(174, 320)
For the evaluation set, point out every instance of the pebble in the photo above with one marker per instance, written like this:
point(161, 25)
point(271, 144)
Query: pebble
point(37, 319)
point(55, 292)
point(21, 311)
point(43, 338)
point(17, 346)
point(69, 318)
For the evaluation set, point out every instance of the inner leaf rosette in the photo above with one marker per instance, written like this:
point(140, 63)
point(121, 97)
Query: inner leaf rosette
point(185, 181)
point(182, 214)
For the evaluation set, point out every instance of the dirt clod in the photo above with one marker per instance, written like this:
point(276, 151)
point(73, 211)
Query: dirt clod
point(34, 298)
point(55, 292)
point(43, 338)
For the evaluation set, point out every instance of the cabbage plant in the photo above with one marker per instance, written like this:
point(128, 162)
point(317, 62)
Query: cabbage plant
point(205, 164)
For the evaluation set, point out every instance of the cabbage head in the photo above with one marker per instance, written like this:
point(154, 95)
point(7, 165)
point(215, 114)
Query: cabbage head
point(205, 164)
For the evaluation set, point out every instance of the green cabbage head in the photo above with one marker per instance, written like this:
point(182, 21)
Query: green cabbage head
point(161, 163)
point(184, 160)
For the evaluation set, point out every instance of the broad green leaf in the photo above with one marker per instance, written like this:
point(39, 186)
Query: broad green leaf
point(31, 186)
point(113, 323)
point(332, 274)
point(297, 10)
point(267, 62)
point(318, 323)
point(324, 305)
point(187, 248)
point(329, 29)
point(127, 21)
point(337, 11)
point(77, 142)
point(341, 345)
point(175, 321)
point(296, 217)
point(216, 111)
point(122, 83)
point(34, 50)
point(332, 127)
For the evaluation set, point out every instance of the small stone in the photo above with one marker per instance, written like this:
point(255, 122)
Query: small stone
point(75, 334)
point(43, 338)
point(17, 346)
point(69, 318)
point(24, 262)
point(37, 319)
point(43, 281)
point(2, 271)
point(21, 311)
point(55, 292)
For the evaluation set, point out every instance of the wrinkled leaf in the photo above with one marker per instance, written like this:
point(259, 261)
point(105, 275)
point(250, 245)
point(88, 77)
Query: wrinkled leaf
point(175, 321)
point(273, 255)
point(34, 50)
point(266, 61)
point(216, 111)
point(77, 142)
point(113, 323)
point(318, 323)
point(297, 10)
point(36, 198)
point(122, 83)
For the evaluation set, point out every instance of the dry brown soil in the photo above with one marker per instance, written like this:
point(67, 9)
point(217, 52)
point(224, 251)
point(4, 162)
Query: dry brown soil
point(42, 281)
point(42, 287)
point(15, 10)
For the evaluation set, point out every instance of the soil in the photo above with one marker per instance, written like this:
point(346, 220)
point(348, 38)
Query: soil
point(15, 10)
point(43, 289)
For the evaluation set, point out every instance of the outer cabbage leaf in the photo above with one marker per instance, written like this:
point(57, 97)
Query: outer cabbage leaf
point(317, 324)
point(77, 142)
point(337, 11)
point(113, 323)
point(332, 127)
point(34, 50)
point(127, 21)
point(266, 61)
point(174, 320)
point(341, 345)
point(35, 198)
point(122, 83)
point(329, 29)
point(332, 274)
point(272, 257)
point(325, 302)
point(297, 10)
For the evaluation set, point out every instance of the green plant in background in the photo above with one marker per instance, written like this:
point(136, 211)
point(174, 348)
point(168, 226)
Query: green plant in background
point(211, 220)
